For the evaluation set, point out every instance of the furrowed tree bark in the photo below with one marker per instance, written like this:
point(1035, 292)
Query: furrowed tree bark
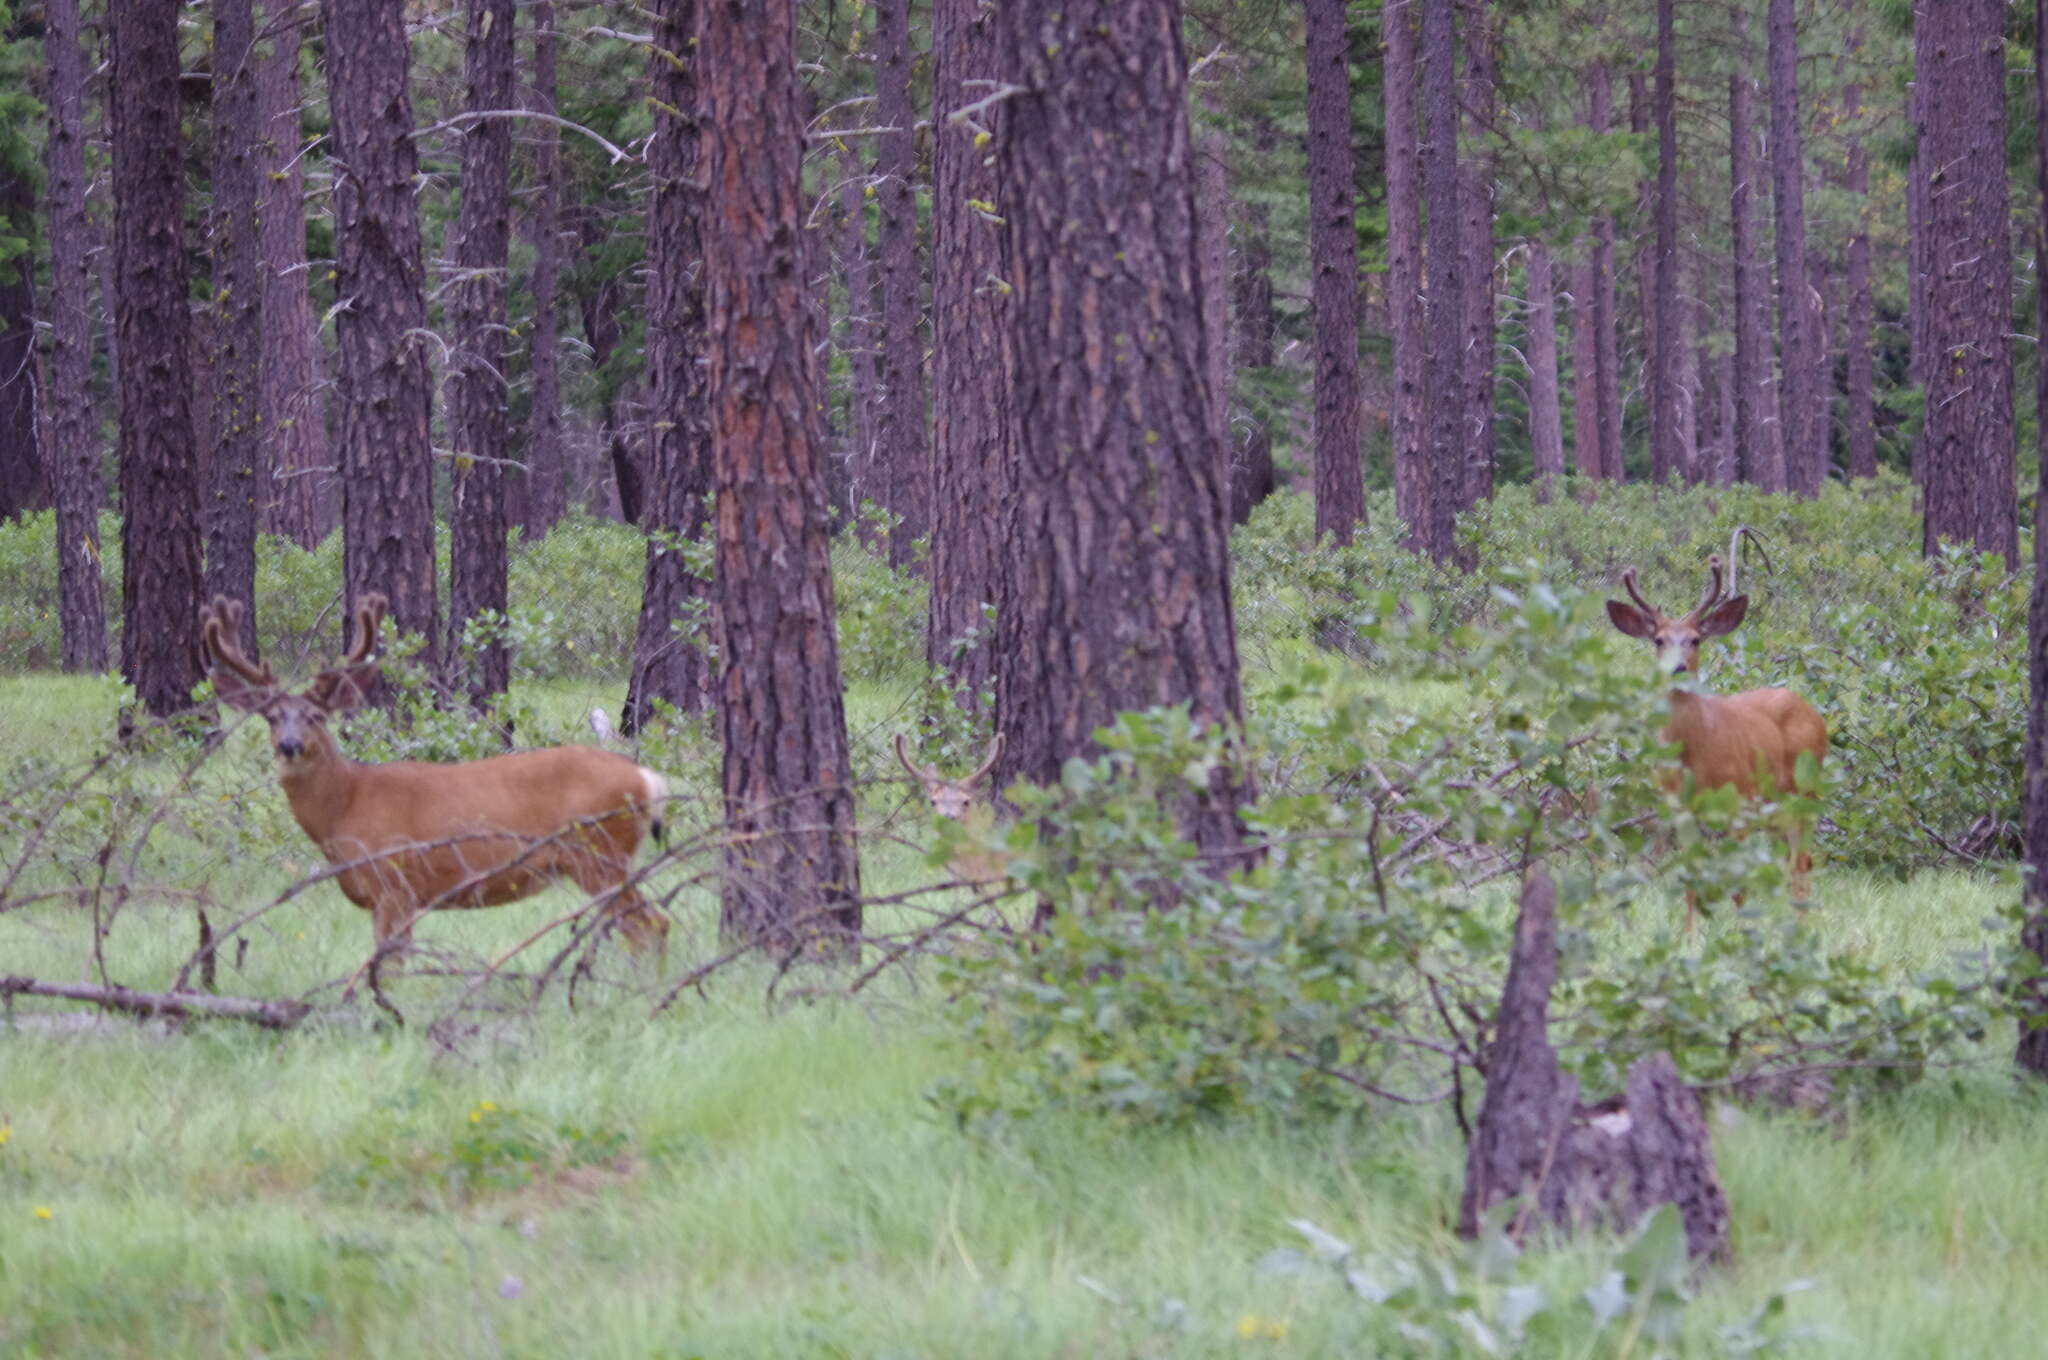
point(478, 425)
point(792, 879)
point(1546, 421)
point(381, 325)
point(1475, 230)
point(1117, 579)
point(1444, 374)
point(667, 665)
point(1798, 337)
point(236, 475)
point(1861, 338)
point(2032, 1054)
point(1575, 1167)
point(1665, 335)
point(292, 403)
point(1254, 327)
point(1333, 251)
point(1971, 492)
point(974, 435)
point(1407, 331)
point(1606, 309)
point(22, 484)
point(902, 450)
point(1756, 447)
point(160, 561)
point(76, 473)
point(547, 490)
point(1212, 262)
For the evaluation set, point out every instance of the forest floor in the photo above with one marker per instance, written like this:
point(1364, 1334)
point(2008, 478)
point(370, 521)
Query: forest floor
point(734, 1179)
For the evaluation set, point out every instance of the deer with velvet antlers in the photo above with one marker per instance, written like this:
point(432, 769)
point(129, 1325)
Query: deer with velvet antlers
point(1752, 740)
point(410, 836)
point(957, 801)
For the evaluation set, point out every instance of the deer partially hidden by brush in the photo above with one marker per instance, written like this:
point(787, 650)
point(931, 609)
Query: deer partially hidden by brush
point(957, 801)
point(1752, 740)
point(413, 836)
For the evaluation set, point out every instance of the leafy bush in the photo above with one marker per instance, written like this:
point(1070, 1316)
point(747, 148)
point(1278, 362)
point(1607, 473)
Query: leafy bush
point(1362, 954)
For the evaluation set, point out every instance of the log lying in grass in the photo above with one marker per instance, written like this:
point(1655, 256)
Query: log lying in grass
point(1571, 1165)
point(171, 1005)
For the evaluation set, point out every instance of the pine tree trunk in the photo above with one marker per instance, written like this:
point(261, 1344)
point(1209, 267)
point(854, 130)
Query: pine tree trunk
point(1405, 319)
point(974, 438)
point(77, 478)
point(22, 484)
point(1606, 309)
point(1212, 262)
point(300, 502)
point(792, 878)
point(902, 449)
point(1449, 423)
point(1546, 422)
point(1664, 334)
point(1586, 452)
point(666, 666)
point(1756, 446)
point(1475, 201)
point(1253, 332)
point(1971, 495)
point(476, 396)
point(1117, 580)
point(1333, 264)
point(547, 488)
point(1861, 339)
point(160, 571)
point(380, 326)
point(860, 337)
point(2032, 1054)
point(1798, 339)
point(237, 476)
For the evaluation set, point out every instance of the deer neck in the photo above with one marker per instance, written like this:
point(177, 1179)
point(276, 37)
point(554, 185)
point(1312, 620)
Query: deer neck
point(319, 787)
point(1693, 716)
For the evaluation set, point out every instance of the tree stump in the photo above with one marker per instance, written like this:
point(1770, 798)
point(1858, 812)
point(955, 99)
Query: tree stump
point(1575, 1166)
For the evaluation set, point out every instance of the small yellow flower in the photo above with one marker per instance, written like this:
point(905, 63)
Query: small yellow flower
point(6, 1132)
point(1248, 1326)
point(43, 1212)
point(476, 1116)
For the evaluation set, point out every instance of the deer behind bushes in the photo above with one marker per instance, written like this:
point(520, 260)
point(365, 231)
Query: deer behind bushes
point(1751, 740)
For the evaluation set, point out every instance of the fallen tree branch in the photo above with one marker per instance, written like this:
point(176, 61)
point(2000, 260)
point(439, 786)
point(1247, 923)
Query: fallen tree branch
point(176, 1005)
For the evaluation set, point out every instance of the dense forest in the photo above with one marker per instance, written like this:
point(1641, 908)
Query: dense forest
point(577, 458)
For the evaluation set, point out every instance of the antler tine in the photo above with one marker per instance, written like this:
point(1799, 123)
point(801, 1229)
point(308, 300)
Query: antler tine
point(1713, 595)
point(995, 753)
point(903, 755)
point(220, 623)
point(369, 613)
point(1628, 580)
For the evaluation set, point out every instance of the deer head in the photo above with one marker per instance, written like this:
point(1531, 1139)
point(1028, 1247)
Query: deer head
point(950, 797)
point(1677, 640)
point(298, 722)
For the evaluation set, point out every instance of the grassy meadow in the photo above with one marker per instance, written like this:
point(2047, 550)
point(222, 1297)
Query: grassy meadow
point(759, 1168)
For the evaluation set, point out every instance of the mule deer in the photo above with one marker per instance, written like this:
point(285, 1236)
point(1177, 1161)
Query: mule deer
point(1740, 739)
point(413, 836)
point(956, 801)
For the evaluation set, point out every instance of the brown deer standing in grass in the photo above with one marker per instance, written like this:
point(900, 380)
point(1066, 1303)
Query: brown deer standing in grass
point(1741, 739)
point(957, 801)
point(413, 836)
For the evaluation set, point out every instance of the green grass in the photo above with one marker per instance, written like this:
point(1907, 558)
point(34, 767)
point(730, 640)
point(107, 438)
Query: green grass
point(734, 1178)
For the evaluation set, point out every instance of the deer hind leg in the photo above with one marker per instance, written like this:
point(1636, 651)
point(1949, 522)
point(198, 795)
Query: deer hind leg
point(1802, 862)
point(644, 925)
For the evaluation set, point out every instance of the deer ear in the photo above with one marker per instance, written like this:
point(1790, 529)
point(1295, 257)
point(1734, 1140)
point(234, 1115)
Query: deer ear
point(236, 692)
point(343, 688)
point(1631, 620)
point(1724, 617)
